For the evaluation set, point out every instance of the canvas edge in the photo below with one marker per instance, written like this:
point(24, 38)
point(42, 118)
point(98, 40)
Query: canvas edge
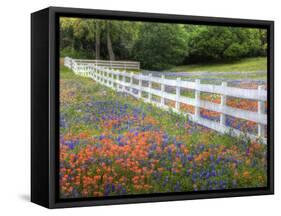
point(53, 203)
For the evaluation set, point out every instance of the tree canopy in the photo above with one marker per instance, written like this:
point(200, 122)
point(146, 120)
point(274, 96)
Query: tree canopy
point(158, 46)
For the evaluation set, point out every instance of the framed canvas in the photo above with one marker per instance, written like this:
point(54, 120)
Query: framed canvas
point(139, 107)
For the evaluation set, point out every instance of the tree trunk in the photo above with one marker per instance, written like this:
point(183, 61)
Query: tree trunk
point(109, 43)
point(97, 40)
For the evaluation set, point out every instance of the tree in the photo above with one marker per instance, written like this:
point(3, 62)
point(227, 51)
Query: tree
point(207, 43)
point(109, 43)
point(124, 36)
point(67, 33)
point(97, 22)
point(160, 46)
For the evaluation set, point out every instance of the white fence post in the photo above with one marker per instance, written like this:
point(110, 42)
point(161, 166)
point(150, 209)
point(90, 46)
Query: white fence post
point(197, 99)
point(149, 87)
point(91, 72)
point(109, 80)
point(124, 82)
point(112, 79)
point(102, 76)
point(162, 91)
point(178, 92)
point(261, 110)
point(223, 103)
point(131, 81)
point(97, 74)
point(106, 77)
point(117, 79)
point(140, 85)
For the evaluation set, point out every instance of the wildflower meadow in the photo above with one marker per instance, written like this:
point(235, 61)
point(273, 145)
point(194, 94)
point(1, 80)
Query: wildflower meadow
point(113, 144)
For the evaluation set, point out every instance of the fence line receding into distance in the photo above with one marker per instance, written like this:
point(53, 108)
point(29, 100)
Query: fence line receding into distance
point(125, 65)
point(124, 81)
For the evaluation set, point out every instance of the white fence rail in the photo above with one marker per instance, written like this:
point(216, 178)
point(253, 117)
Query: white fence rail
point(124, 81)
point(125, 65)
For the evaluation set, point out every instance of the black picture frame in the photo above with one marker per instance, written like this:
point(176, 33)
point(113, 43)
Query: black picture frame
point(45, 106)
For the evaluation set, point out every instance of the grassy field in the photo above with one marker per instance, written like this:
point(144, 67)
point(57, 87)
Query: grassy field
point(243, 65)
point(246, 65)
point(229, 76)
point(112, 144)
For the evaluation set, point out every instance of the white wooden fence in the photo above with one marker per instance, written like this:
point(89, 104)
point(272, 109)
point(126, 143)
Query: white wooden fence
point(125, 65)
point(124, 81)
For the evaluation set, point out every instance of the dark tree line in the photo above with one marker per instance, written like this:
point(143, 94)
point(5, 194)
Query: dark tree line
point(156, 45)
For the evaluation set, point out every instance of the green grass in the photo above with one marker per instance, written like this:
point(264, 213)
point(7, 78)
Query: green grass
point(231, 76)
point(243, 65)
point(65, 72)
point(250, 76)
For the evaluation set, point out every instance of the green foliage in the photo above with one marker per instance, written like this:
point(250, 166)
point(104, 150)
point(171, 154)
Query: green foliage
point(207, 43)
point(124, 36)
point(161, 46)
point(158, 46)
point(82, 54)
